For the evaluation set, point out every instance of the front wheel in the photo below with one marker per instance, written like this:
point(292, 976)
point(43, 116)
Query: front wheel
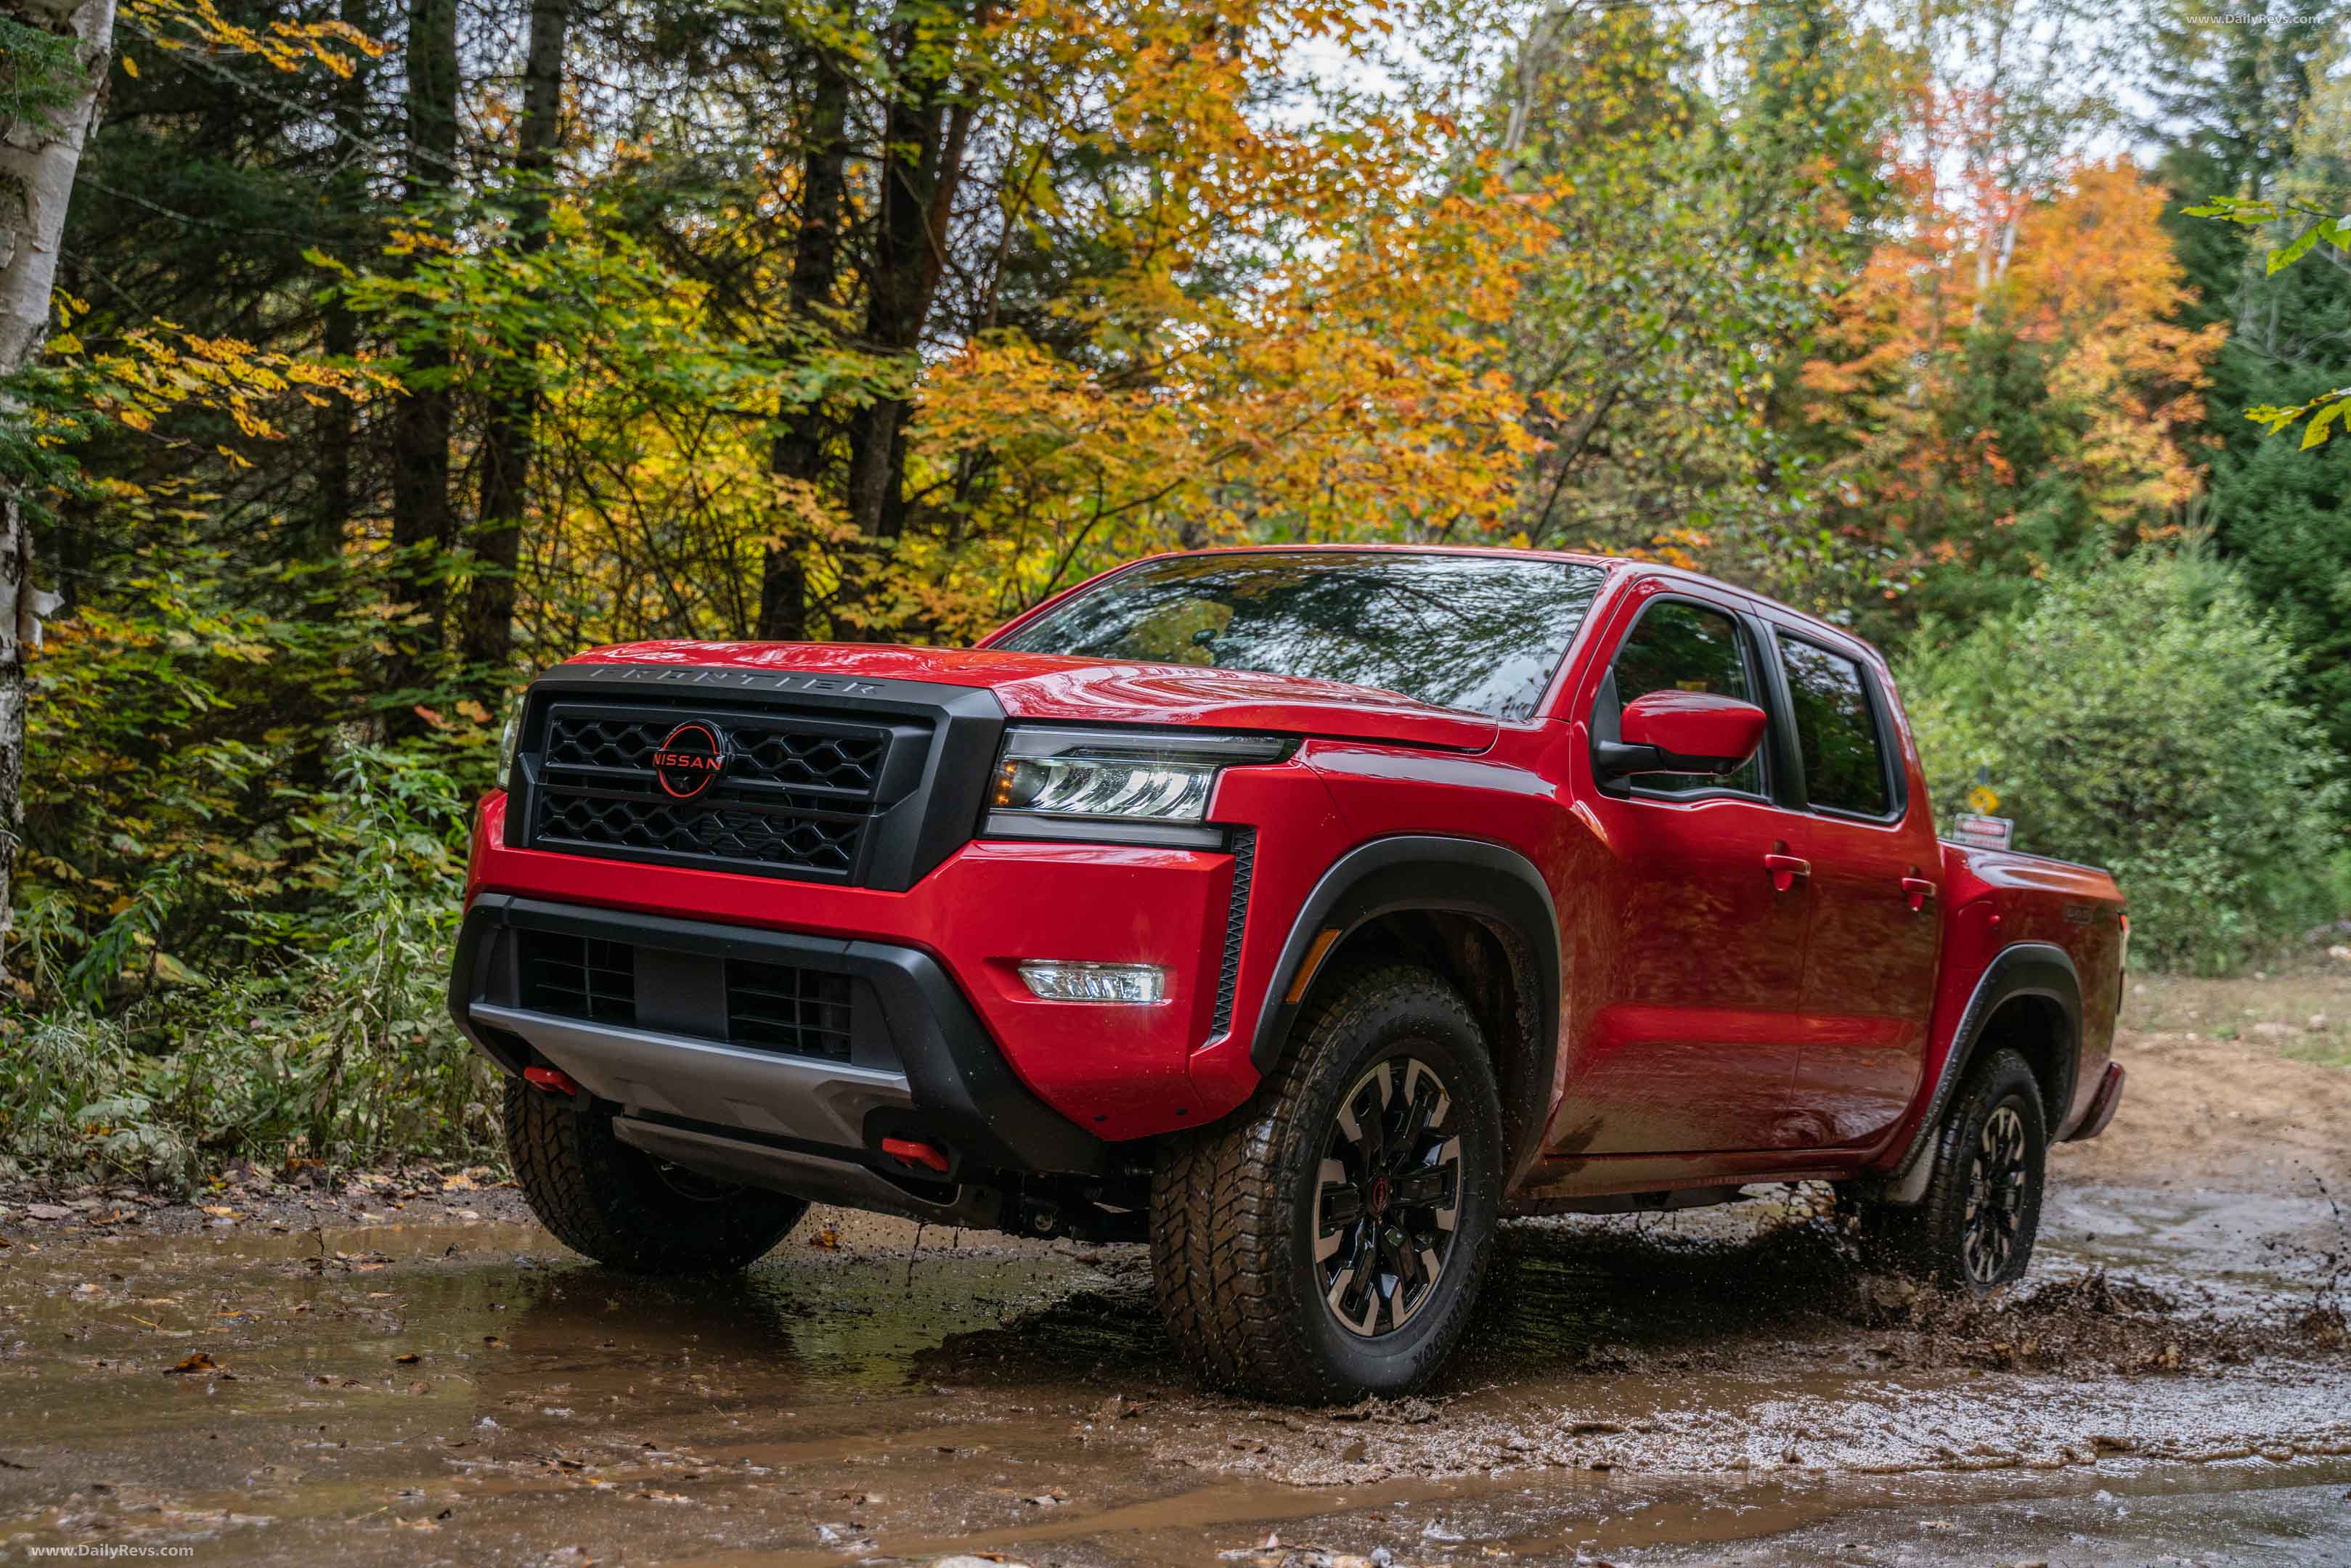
point(1327, 1243)
point(623, 1208)
point(1975, 1228)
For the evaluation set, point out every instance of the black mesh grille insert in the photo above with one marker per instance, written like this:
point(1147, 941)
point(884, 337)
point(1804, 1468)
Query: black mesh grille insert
point(822, 845)
point(835, 758)
point(797, 796)
point(1236, 917)
point(776, 1007)
point(578, 977)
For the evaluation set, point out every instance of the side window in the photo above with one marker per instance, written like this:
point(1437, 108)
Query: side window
point(1677, 646)
point(1837, 730)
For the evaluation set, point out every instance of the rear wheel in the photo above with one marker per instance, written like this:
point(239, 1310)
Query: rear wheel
point(621, 1206)
point(1974, 1229)
point(1328, 1242)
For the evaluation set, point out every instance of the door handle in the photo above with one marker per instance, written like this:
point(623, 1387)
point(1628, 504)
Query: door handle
point(1919, 890)
point(1785, 870)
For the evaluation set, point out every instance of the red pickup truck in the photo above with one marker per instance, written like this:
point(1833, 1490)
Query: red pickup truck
point(1306, 911)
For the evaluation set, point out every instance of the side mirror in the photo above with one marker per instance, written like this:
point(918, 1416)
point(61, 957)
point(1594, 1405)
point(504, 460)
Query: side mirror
point(1684, 731)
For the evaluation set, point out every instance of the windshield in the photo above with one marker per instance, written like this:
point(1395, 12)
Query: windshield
point(1477, 632)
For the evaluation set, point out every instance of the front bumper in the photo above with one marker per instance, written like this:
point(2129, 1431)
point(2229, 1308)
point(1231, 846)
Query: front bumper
point(1118, 1072)
point(909, 1057)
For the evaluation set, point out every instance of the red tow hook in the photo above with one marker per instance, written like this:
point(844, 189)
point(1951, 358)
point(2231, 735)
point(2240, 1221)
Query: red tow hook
point(554, 1079)
point(915, 1154)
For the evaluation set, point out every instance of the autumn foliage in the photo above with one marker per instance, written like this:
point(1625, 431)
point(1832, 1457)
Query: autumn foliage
point(2078, 311)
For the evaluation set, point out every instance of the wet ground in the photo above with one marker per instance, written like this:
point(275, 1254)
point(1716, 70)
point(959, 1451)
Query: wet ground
point(439, 1383)
point(406, 1370)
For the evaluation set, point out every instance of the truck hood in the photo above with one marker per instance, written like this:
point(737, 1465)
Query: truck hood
point(1099, 691)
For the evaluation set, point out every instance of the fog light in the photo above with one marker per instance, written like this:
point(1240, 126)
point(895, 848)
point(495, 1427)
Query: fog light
point(1129, 983)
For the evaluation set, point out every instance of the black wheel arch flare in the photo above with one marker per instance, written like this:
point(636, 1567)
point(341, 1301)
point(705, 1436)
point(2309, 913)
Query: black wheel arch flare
point(2037, 969)
point(1415, 873)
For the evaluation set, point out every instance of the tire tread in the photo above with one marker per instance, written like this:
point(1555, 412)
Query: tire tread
point(597, 1195)
point(1220, 1230)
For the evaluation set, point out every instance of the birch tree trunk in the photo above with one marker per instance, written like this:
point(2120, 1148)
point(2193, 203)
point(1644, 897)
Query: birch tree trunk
point(38, 155)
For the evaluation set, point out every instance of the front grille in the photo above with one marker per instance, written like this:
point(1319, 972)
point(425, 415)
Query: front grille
point(821, 846)
point(579, 977)
point(830, 758)
point(798, 797)
point(776, 1007)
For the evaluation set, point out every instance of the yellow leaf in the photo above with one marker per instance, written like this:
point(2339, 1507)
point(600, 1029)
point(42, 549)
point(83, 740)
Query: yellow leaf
point(131, 67)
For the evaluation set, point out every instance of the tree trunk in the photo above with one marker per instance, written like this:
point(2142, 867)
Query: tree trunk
point(921, 168)
point(421, 425)
point(38, 160)
point(798, 452)
point(336, 423)
point(507, 445)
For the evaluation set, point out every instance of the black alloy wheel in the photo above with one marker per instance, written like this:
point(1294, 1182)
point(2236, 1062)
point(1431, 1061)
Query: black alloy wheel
point(1997, 1181)
point(1390, 1197)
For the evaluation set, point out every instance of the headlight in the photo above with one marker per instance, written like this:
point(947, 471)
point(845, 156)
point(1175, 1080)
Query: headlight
point(511, 738)
point(1139, 785)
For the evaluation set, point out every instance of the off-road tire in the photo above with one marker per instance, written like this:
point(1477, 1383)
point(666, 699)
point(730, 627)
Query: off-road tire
point(1930, 1241)
point(622, 1207)
point(1234, 1208)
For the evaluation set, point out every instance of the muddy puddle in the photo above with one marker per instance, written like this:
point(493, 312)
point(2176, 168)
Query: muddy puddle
point(1717, 1386)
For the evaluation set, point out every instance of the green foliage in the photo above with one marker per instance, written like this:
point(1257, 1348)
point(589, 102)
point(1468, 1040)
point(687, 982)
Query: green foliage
point(2284, 515)
point(2303, 224)
point(180, 765)
point(335, 1044)
point(2141, 715)
point(38, 77)
point(1718, 189)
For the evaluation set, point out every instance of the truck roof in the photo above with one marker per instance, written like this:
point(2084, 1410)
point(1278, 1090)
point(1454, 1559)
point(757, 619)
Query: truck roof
point(1611, 564)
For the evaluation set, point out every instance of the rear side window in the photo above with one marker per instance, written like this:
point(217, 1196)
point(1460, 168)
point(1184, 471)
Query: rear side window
point(1837, 730)
point(1680, 647)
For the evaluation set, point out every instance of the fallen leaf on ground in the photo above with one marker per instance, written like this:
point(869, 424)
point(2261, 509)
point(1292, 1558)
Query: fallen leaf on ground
point(196, 1361)
point(406, 1358)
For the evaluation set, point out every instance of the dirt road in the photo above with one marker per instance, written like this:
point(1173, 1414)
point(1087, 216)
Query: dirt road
point(399, 1375)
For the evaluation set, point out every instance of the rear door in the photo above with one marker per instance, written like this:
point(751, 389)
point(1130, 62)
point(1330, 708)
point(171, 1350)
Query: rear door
point(1869, 833)
point(1694, 1046)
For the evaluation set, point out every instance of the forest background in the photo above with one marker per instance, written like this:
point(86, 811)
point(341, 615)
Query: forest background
point(359, 358)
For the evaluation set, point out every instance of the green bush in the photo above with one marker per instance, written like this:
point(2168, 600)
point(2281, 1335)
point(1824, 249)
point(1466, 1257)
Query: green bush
point(331, 1041)
point(2141, 717)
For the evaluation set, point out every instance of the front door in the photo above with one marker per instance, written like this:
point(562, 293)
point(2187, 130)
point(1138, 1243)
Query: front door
point(1695, 1044)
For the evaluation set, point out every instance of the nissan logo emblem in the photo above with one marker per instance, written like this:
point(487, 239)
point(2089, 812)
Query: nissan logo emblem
point(690, 759)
